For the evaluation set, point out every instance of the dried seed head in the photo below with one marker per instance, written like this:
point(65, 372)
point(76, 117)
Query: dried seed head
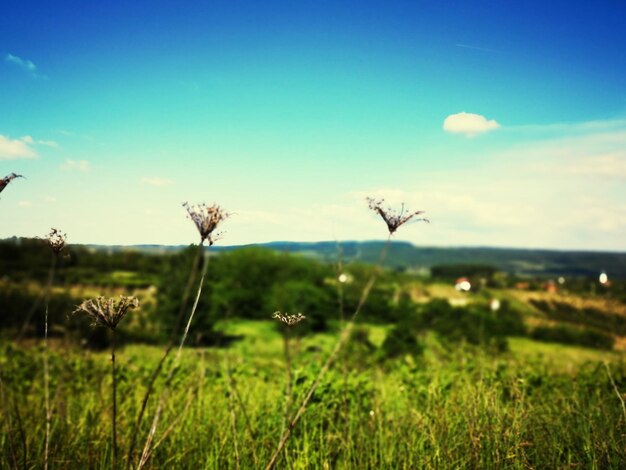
point(206, 218)
point(288, 320)
point(392, 218)
point(4, 182)
point(107, 312)
point(56, 239)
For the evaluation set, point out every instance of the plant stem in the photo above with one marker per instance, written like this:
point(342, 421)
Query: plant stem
point(168, 350)
point(343, 339)
point(289, 384)
point(114, 433)
point(145, 455)
point(46, 371)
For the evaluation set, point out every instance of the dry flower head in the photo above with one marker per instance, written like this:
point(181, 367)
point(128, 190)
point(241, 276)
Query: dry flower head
point(4, 182)
point(393, 218)
point(206, 218)
point(56, 239)
point(107, 312)
point(288, 320)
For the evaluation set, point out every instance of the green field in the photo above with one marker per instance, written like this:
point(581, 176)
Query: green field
point(420, 383)
point(543, 406)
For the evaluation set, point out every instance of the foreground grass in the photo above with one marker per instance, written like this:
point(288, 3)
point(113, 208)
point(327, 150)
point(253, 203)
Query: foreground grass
point(539, 405)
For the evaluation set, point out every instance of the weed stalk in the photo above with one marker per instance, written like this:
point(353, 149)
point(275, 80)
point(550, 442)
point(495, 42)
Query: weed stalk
point(343, 338)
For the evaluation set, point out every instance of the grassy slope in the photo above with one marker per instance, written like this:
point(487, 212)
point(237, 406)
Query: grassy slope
point(540, 405)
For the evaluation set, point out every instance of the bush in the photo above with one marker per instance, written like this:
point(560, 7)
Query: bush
point(577, 336)
point(475, 324)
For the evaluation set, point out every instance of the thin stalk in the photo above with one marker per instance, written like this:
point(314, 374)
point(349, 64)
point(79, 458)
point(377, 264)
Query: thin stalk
point(246, 418)
point(145, 455)
point(168, 350)
point(343, 339)
point(114, 390)
point(617, 392)
point(289, 384)
point(33, 309)
point(46, 371)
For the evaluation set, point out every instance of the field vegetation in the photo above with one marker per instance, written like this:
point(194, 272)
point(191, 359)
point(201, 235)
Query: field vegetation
point(427, 377)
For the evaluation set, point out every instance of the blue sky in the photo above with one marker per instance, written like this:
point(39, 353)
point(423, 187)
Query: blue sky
point(506, 123)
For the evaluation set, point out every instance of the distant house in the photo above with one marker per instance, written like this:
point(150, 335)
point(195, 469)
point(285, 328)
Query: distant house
point(550, 287)
point(522, 285)
point(463, 284)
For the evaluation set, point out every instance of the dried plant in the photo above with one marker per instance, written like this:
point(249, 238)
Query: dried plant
point(4, 182)
point(393, 218)
point(206, 218)
point(56, 240)
point(108, 313)
point(288, 320)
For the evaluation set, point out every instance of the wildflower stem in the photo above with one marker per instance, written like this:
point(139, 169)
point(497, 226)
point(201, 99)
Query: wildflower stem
point(168, 350)
point(114, 429)
point(289, 384)
point(343, 339)
point(147, 449)
point(46, 371)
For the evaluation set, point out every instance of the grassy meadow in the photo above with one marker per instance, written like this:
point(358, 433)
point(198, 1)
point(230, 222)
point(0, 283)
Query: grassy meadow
point(429, 377)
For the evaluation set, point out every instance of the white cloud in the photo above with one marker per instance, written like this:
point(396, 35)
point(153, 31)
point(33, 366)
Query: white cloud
point(79, 165)
point(25, 204)
point(11, 149)
point(48, 143)
point(469, 124)
point(156, 181)
point(24, 64)
point(599, 155)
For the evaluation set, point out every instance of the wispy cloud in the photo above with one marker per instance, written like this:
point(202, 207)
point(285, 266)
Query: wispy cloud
point(78, 165)
point(25, 204)
point(24, 64)
point(469, 124)
point(598, 152)
point(565, 191)
point(476, 48)
point(11, 149)
point(48, 143)
point(156, 181)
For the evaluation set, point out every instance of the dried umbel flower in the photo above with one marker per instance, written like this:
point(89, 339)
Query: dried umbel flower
point(206, 218)
point(392, 218)
point(107, 312)
point(56, 239)
point(288, 320)
point(4, 182)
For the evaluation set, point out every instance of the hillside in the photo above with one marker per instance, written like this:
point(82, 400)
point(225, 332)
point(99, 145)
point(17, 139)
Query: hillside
point(403, 255)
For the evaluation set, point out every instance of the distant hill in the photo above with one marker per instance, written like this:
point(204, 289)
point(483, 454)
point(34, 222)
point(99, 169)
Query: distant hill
point(403, 255)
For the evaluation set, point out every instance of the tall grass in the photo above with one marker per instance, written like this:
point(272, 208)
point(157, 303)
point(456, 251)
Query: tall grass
point(468, 409)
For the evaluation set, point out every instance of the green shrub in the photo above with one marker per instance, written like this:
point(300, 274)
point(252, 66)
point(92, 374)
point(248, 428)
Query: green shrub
point(569, 335)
